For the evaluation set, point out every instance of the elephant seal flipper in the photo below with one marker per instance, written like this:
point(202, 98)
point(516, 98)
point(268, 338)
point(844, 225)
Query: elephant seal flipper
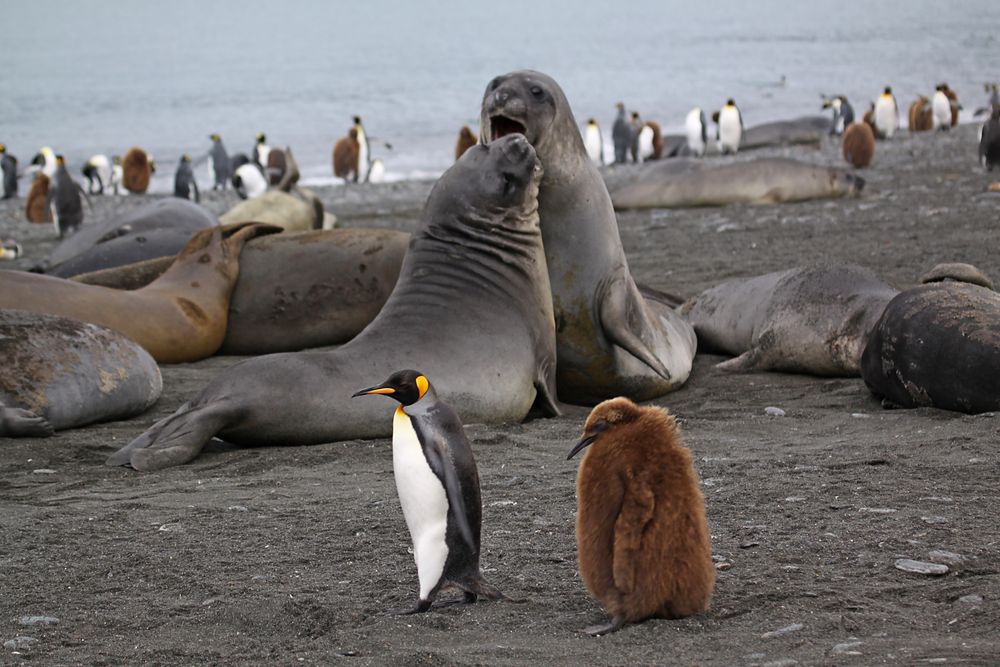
point(173, 440)
point(18, 423)
point(624, 329)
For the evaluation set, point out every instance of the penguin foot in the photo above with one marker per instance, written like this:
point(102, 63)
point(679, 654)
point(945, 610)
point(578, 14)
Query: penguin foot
point(419, 608)
point(616, 624)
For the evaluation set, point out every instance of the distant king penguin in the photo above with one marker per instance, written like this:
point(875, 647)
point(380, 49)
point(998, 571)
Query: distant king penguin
point(220, 168)
point(989, 142)
point(63, 200)
point(621, 135)
point(185, 186)
point(696, 130)
point(438, 486)
point(260, 151)
point(364, 151)
point(8, 164)
point(594, 142)
point(98, 172)
point(730, 128)
point(886, 115)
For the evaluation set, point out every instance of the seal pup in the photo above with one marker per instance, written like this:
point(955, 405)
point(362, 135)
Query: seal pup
point(137, 170)
point(621, 135)
point(611, 340)
point(219, 165)
point(730, 128)
point(345, 157)
point(812, 320)
point(696, 131)
point(35, 209)
point(858, 145)
point(642, 538)
point(438, 486)
point(474, 279)
point(185, 186)
point(183, 312)
point(920, 117)
point(937, 345)
point(843, 113)
point(61, 373)
point(63, 200)
point(886, 115)
point(466, 140)
point(97, 171)
point(8, 165)
point(989, 141)
point(594, 142)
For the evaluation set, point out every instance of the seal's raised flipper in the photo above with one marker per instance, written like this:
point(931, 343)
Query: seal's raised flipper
point(666, 298)
point(174, 440)
point(545, 388)
point(616, 321)
point(18, 423)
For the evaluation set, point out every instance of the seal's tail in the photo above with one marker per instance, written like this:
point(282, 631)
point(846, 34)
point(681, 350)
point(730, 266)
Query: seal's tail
point(175, 439)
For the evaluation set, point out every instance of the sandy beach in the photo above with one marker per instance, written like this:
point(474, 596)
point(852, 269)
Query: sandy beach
point(291, 555)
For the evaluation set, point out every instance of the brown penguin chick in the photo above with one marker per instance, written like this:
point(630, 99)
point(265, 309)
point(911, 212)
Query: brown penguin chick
point(345, 156)
point(920, 115)
point(35, 209)
point(466, 140)
point(657, 139)
point(642, 538)
point(137, 169)
point(858, 145)
point(869, 117)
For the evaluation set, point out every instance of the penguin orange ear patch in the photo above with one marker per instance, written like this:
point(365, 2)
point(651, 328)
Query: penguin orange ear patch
point(422, 385)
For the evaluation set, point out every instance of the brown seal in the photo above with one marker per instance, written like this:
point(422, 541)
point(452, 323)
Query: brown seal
point(858, 145)
point(34, 209)
point(466, 140)
point(180, 317)
point(137, 169)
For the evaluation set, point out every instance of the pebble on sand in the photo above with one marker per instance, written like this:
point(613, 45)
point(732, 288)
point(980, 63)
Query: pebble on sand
point(946, 557)
point(920, 567)
point(774, 412)
point(19, 643)
point(974, 600)
point(781, 632)
point(39, 620)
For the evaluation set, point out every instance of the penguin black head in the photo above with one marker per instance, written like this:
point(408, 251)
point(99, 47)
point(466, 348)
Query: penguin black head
point(635, 115)
point(357, 120)
point(185, 158)
point(730, 102)
point(887, 91)
point(609, 414)
point(407, 387)
point(261, 137)
point(214, 136)
point(60, 160)
point(620, 106)
point(590, 121)
point(3, 148)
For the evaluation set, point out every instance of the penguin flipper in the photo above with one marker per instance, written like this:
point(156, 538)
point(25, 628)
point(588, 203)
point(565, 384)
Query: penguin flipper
point(638, 504)
point(18, 423)
point(434, 434)
point(616, 322)
point(173, 440)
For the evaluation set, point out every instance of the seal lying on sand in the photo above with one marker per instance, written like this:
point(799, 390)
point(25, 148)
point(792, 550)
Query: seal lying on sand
point(179, 317)
point(472, 309)
point(688, 183)
point(157, 229)
point(295, 291)
point(811, 320)
point(937, 345)
point(611, 340)
point(61, 373)
point(804, 130)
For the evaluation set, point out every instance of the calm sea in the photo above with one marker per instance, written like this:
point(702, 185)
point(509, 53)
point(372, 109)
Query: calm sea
point(98, 77)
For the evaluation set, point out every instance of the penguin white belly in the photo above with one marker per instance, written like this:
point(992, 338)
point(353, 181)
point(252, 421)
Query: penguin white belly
point(645, 143)
point(942, 109)
point(116, 177)
point(424, 502)
point(730, 131)
point(377, 173)
point(363, 157)
point(885, 117)
point(254, 183)
point(592, 141)
point(263, 151)
point(692, 127)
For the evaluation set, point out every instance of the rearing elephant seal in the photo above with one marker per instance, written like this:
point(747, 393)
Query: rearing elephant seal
point(472, 309)
point(811, 320)
point(611, 340)
point(61, 373)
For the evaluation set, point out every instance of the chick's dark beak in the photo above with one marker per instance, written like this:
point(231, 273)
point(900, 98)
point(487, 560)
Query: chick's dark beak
point(585, 442)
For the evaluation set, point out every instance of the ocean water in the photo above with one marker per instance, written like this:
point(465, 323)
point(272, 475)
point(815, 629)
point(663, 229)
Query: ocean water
point(99, 77)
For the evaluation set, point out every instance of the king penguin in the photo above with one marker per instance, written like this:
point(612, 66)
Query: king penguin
point(941, 106)
point(249, 180)
point(730, 128)
point(438, 486)
point(45, 160)
point(219, 164)
point(260, 151)
point(843, 113)
point(185, 186)
point(886, 115)
point(377, 173)
point(696, 130)
point(117, 173)
point(8, 164)
point(364, 151)
point(63, 200)
point(97, 170)
point(594, 142)
point(621, 135)
point(989, 141)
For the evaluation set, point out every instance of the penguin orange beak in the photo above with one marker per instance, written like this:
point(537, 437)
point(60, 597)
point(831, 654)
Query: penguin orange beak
point(585, 442)
point(374, 390)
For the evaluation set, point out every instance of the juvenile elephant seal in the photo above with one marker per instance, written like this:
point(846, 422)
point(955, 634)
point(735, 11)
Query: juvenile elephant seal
point(611, 341)
point(804, 130)
point(61, 373)
point(937, 345)
point(812, 320)
point(179, 317)
point(291, 213)
point(690, 183)
point(472, 309)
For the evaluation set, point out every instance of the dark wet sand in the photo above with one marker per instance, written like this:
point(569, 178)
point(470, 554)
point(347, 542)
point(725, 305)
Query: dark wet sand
point(288, 555)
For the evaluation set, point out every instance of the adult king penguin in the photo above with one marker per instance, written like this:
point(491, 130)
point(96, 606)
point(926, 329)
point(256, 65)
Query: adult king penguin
point(594, 142)
point(45, 160)
point(98, 172)
point(730, 128)
point(621, 135)
point(185, 186)
point(438, 486)
point(63, 200)
point(364, 151)
point(843, 113)
point(941, 106)
point(220, 165)
point(886, 115)
point(696, 130)
point(989, 141)
point(8, 164)
point(260, 151)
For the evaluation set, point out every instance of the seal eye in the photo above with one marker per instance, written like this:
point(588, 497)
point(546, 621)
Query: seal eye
point(494, 84)
point(509, 184)
point(537, 91)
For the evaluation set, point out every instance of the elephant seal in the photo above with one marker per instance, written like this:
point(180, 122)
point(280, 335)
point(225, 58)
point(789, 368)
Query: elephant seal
point(611, 340)
point(179, 317)
point(472, 309)
point(804, 130)
point(812, 320)
point(958, 272)
point(691, 183)
point(291, 213)
point(61, 373)
point(156, 229)
point(295, 291)
point(937, 345)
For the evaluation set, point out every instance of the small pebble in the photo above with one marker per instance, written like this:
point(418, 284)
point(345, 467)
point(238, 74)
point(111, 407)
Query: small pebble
point(238, 508)
point(971, 599)
point(920, 567)
point(847, 648)
point(503, 503)
point(794, 499)
point(19, 643)
point(783, 662)
point(781, 632)
point(947, 557)
point(860, 415)
point(934, 520)
point(44, 471)
point(774, 412)
point(39, 620)
point(722, 567)
point(749, 545)
point(877, 510)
